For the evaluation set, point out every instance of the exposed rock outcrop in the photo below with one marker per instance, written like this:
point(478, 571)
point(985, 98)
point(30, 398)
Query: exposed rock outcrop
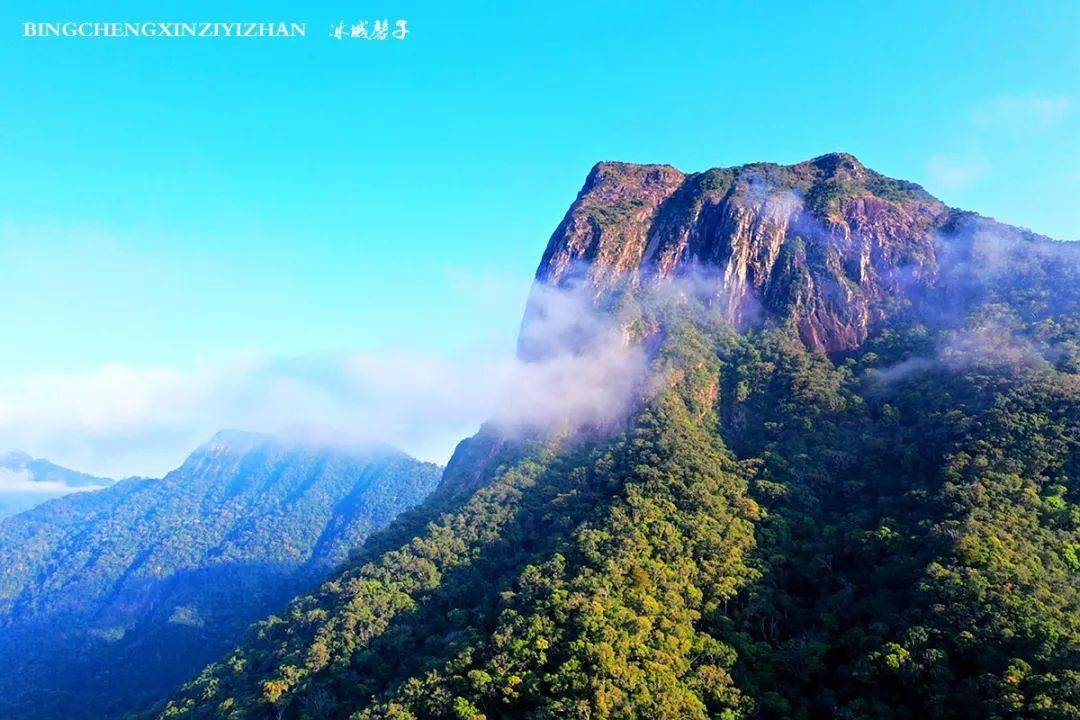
point(827, 246)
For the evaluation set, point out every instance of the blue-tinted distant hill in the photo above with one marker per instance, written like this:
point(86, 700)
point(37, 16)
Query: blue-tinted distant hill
point(108, 599)
point(26, 481)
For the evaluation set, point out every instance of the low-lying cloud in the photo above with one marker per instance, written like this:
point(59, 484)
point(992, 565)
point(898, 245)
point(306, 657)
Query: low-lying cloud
point(123, 419)
point(19, 482)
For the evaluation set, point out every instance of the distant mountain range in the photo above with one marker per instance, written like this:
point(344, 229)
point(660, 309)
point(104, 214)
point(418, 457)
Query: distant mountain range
point(110, 598)
point(26, 482)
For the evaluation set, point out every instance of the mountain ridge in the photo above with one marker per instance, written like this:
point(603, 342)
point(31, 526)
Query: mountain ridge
point(36, 480)
point(861, 503)
point(109, 598)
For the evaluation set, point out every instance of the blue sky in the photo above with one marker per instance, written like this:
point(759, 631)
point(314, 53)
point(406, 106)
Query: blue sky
point(172, 208)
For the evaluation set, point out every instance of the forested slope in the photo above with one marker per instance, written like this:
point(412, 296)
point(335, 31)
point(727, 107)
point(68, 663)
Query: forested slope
point(846, 489)
point(110, 598)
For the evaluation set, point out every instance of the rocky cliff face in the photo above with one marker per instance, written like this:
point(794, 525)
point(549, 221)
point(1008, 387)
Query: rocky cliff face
point(827, 246)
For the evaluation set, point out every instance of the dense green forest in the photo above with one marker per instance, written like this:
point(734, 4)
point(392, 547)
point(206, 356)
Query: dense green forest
point(862, 505)
point(778, 534)
point(110, 599)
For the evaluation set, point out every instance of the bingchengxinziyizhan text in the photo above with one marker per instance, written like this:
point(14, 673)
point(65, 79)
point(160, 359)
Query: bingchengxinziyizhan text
point(118, 30)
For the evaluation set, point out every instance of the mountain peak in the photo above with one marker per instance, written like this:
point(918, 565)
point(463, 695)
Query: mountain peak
point(233, 442)
point(838, 163)
point(14, 459)
point(827, 246)
point(38, 480)
point(172, 571)
point(621, 177)
point(236, 441)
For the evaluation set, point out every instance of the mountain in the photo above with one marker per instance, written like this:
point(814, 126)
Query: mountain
point(110, 598)
point(827, 246)
point(846, 486)
point(26, 482)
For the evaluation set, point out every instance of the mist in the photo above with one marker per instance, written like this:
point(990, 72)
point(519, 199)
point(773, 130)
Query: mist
point(122, 420)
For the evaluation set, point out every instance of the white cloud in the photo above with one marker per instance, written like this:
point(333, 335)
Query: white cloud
point(124, 419)
point(22, 481)
point(954, 171)
point(1003, 121)
point(1024, 113)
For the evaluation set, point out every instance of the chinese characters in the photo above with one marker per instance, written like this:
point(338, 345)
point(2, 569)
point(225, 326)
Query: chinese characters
point(375, 30)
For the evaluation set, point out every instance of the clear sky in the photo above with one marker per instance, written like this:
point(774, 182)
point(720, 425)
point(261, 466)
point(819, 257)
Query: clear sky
point(178, 210)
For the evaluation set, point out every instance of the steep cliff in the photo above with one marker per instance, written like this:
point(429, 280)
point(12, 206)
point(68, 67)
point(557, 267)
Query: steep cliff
point(828, 246)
